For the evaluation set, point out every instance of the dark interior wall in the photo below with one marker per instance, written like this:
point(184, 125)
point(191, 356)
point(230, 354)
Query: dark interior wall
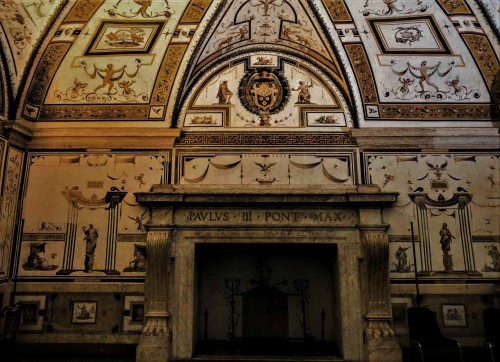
point(282, 264)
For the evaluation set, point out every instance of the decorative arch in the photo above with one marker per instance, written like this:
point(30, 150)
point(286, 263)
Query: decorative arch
point(293, 93)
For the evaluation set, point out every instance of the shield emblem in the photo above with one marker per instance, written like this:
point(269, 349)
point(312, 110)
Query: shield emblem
point(265, 95)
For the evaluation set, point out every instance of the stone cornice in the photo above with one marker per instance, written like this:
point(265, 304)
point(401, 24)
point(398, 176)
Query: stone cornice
point(103, 138)
point(427, 138)
point(259, 195)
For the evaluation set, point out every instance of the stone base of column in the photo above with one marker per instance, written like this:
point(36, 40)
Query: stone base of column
point(152, 349)
point(385, 349)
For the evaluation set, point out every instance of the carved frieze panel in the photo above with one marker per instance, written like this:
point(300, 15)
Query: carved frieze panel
point(267, 169)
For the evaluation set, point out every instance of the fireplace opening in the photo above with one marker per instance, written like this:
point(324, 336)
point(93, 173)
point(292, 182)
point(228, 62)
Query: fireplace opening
point(263, 299)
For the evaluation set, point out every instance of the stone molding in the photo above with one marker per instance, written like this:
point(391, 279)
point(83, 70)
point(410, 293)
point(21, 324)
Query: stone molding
point(388, 138)
point(102, 138)
point(272, 194)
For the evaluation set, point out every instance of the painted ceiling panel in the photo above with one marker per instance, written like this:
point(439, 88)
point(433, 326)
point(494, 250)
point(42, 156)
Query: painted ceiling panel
point(289, 23)
point(423, 60)
point(112, 59)
point(23, 23)
point(417, 53)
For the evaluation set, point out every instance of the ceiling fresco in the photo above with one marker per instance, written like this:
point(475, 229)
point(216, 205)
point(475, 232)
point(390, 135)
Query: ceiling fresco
point(22, 24)
point(288, 23)
point(121, 56)
point(420, 54)
point(380, 62)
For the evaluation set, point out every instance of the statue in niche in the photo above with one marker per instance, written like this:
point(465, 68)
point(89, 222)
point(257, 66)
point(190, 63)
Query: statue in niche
point(90, 239)
point(139, 263)
point(304, 96)
point(224, 94)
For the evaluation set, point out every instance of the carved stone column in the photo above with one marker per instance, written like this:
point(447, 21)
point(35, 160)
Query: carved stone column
point(381, 344)
point(154, 341)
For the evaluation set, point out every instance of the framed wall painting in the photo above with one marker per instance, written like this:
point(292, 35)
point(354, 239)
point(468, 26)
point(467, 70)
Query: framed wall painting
point(84, 312)
point(454, 315)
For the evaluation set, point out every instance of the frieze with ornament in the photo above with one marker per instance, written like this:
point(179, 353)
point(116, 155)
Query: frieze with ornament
point(46, 69)
point(167, 73)
point(116, 83)
point(455, 6)
point(485, 57)
point(427, 89)
point(266, 169)
point(337, 10)
point(195, 11)
point(83, 10)
point(435, 111)
point(392, 7)
point(363, 72)
point(94, 112)
point(285, 139)
point(8, 206)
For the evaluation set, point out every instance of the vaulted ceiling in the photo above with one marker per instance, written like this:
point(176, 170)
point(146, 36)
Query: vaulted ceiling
point(161, 63)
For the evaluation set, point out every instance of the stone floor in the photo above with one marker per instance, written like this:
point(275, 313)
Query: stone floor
point(126, 353)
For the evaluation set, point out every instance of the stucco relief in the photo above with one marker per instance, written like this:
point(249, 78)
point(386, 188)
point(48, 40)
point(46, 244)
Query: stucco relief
point(437, 180)
point(86, 201)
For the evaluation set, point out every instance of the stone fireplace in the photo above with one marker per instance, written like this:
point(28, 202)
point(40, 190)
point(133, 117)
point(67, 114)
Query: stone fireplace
point(255, 270)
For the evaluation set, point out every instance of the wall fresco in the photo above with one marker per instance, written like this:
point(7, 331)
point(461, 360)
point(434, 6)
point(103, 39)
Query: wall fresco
point(94, 225)
point(422, 52)
point(452, 199)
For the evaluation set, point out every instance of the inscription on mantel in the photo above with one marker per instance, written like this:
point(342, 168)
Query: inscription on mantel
point(338, 217)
